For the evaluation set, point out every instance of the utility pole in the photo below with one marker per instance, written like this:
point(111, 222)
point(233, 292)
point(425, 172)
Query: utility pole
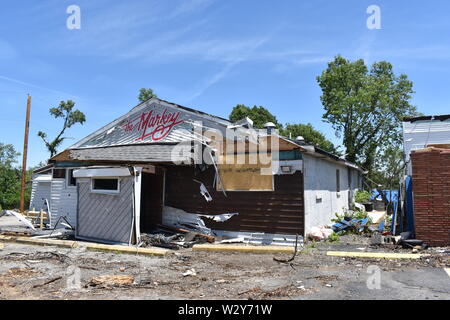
point(24, 161)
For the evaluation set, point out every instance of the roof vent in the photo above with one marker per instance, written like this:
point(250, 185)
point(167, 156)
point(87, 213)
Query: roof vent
point(300, 139)
point(269, 126)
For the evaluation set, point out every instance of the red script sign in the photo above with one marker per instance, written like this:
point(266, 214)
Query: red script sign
point(153, 124)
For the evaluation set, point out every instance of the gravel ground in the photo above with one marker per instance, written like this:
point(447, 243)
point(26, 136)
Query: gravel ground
point(35, 272)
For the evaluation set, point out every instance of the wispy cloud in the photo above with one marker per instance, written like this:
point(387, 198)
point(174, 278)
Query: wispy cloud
point(189, 6)
point(239, 55)
point(366, 45)
point(430, 52)
point(31, 85)
point(129, 29)
point(6, 50)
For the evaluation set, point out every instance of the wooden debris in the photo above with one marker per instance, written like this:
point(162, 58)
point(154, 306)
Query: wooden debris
point(111, 281)
point(208, 238)
point(37, 217)
point(47, 282)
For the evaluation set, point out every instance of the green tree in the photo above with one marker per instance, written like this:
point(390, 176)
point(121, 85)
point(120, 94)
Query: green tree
point(311, 136)
point(365, 107)
point(9, 177)
point(389, 169)
point(146, 94)
point(259, 115)
point(8, 155)
point(70, 116)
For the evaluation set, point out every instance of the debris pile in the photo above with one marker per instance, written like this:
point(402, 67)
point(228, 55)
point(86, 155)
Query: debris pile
point(352, 225)
point(281, 292)
point(321, 233)
point(174, 238)
point(405, 240)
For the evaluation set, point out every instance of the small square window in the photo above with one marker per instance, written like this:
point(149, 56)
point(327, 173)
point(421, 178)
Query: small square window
point(105, 185)
point(59, 173)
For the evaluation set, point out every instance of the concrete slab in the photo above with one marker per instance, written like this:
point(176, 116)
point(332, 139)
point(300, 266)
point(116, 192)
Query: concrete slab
point(447, 270)
point(241, 248)
point(88, 245)
point(384, 255)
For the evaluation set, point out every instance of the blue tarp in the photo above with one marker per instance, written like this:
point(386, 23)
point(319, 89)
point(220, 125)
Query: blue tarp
point(342, 225)
point(391, 195)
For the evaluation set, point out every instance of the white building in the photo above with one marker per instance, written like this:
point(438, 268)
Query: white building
point(131, 160)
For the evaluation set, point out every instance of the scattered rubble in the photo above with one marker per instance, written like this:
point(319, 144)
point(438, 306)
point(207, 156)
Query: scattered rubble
point(281, 292)
point(190, 272)
point(208, 274)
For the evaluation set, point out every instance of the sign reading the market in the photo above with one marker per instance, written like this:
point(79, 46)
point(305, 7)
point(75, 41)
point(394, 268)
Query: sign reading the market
point(152, 124)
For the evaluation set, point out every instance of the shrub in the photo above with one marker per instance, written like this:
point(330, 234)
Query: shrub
point(334, 237)
point(362, 196)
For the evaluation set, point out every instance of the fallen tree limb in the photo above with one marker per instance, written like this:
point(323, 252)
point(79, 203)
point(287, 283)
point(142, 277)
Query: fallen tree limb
point(47, 282)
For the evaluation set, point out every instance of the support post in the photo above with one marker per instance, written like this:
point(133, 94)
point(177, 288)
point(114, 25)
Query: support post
point(24, 159)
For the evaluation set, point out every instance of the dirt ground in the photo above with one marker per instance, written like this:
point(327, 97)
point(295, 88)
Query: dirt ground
point(35, 272)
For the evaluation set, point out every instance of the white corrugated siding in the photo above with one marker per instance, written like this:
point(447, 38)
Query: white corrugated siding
point(63, 202)
point(420, 134)
point(39, 192)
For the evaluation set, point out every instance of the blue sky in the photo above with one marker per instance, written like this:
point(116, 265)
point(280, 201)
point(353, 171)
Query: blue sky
point(205, 54)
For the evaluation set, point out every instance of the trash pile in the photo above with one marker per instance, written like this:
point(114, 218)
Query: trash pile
point(351, 224)
point(321, 233)
point(28, 224)
point(405, 239)
point(174, 238)
point(355, 222)
point(181, 229)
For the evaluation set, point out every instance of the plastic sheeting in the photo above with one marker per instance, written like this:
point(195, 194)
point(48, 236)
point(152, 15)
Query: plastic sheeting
point(181, 219)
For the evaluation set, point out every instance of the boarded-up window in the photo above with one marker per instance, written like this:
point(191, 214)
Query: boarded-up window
point(250, 175)
point(59, 173)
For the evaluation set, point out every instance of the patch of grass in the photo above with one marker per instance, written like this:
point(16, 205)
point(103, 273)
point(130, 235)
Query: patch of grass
point(309, 247)
point(334, 237)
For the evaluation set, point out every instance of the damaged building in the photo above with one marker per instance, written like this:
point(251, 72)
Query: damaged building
point(160, 165)
point(427, 154)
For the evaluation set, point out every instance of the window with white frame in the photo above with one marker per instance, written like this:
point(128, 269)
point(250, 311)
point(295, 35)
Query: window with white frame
point(105, 185)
